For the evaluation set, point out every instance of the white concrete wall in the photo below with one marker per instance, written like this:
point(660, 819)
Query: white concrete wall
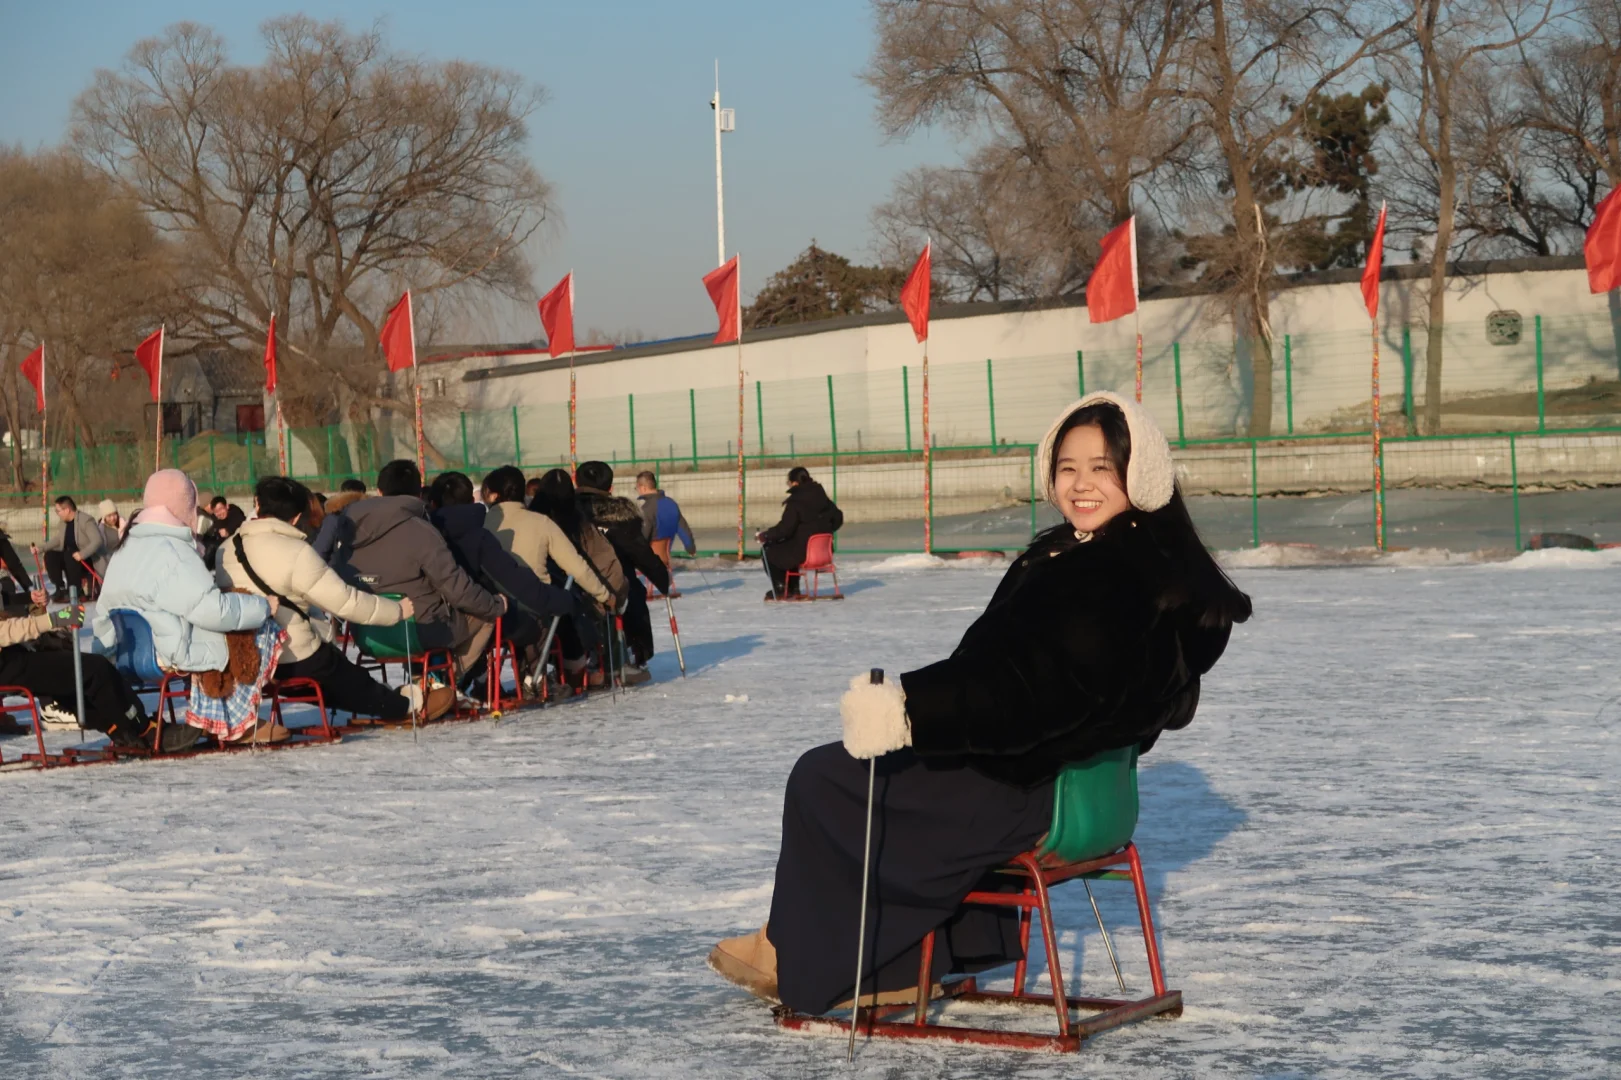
point(1035, 371)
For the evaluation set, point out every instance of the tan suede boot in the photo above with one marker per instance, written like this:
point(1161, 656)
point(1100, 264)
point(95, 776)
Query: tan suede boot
point(750, 961)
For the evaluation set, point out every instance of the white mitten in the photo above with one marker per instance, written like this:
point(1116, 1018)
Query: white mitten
point(874, 718)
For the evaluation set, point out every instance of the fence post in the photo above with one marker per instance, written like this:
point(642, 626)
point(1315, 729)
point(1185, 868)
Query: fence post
point(759, 419)
point(1176, 360)
point(1407, 377)
point(990, 399)
point(253, 477)
point(517, 447)
point(331, 456)
point(692, 411)
point(466, 463)
point(1288, 384)
point(213, 469)
point(906, 405)
point(290, 450)
point(833, 430)
point(1255, 500)
point(630, 400)
point(1542, 411)
point(1514, 483)
point(1080, 371)
point(1032, 492)
point(78, 454)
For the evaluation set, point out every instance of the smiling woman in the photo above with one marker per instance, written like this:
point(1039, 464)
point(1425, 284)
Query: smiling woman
point(1096, 640)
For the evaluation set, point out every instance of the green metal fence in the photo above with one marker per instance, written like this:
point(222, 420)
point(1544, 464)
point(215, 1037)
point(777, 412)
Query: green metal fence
point(1544, 391)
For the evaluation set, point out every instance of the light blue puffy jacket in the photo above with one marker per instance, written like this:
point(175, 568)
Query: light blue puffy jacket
point(158, 574)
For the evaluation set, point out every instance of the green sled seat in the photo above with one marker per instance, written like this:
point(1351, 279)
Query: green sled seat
point(1094, 816)
point(401, 644)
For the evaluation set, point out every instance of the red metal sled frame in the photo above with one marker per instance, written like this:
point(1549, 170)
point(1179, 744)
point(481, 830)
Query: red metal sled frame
point(1033, 901)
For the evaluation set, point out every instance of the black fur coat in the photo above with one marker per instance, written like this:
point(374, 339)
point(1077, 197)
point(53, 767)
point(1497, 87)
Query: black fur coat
point(1085, 647)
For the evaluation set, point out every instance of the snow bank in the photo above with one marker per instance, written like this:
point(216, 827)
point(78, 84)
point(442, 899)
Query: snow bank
point(1565, 559)
point(1291, 555)
point(920, 561)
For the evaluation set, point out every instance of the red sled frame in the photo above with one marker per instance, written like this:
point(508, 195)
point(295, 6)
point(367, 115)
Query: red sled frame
point(890, 1021)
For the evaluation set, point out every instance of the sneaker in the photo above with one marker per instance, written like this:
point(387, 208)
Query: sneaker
point(53, 715)
point(631, 675)
point(181, 737)
point(267, 734)
point(60, 596)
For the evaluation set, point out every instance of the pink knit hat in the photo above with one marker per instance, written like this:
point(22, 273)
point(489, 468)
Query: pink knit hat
point(170, 499)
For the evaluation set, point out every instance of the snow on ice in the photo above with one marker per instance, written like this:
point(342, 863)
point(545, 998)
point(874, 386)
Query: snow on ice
point(1387, 846)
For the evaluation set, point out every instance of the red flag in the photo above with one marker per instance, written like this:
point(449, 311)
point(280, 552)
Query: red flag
point(149, 354)
point(270, 357)
point(33, 369)
point(915, 293)
point(1602, 248)
point(722, 285)
point(399, 336)
point(1376, 261)
point(557, 316)
point(1111, 291)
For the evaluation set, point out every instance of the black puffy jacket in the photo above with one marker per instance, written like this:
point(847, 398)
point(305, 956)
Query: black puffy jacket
point(1085, 647)
point(805, 512)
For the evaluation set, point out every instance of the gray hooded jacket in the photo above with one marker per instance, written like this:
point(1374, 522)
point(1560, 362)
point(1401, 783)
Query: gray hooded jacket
point(396, 549)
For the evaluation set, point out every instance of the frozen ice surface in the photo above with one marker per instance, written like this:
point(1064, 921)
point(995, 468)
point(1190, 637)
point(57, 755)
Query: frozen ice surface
point(1387, 846)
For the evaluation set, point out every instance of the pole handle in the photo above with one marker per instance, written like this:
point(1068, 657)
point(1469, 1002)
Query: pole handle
point(877, 676)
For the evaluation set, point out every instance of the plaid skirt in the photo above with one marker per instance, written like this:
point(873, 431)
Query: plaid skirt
point(228, 718)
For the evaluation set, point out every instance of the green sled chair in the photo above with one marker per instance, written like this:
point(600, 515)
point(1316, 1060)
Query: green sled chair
point(1094, 816)
point(401, 644)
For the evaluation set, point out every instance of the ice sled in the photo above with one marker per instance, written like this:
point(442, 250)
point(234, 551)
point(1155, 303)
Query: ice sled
point(1094, 817)
point(818, 561)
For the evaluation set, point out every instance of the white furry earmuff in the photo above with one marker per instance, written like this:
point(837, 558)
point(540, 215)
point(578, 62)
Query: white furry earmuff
point(1150, 474)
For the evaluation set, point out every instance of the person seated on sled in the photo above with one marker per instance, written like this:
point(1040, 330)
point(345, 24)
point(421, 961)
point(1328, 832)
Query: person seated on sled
point(70, 548)
point(620, 520)
point(396, 549)
point(159, 574)
point(662, 520)
point(112, 533)
point(579, 637)
point(533, 539)
point(1095, 639)
point(111, 707)
point(805, 512)
point(269, 556)
point(462, 521)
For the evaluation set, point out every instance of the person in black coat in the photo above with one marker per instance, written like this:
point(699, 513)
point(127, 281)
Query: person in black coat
point(1096, 639)
point(621, 522)
point(805, 512)
point(455, 513)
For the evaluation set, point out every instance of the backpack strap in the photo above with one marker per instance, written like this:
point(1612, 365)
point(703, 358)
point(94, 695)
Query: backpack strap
point(259, 582)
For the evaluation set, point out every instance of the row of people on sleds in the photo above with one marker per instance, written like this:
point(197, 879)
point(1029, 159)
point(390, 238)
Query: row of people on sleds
point(284, 584)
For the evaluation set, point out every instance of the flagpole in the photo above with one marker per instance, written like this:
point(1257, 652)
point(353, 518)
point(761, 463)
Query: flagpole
point(1136, 309)
point(157, 439)
point(281, 423)
point(1378, 451)
point(740, 427)
point(44, 456)
point(573, 390)
point(416, 379)
point(928, 463)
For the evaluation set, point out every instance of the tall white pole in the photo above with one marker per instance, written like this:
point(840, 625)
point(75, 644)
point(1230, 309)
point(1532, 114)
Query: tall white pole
point(720, 190)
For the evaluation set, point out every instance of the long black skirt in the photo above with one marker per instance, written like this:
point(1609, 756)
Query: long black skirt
point(936, 832)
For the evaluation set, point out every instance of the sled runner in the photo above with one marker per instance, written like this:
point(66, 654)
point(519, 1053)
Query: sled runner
point(1094, 816)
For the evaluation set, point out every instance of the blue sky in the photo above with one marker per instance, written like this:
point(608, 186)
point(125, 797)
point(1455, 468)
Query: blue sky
point(626, 133)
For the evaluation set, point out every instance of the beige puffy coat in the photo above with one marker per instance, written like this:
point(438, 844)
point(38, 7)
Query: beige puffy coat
point(532, 538)
point(283, 558)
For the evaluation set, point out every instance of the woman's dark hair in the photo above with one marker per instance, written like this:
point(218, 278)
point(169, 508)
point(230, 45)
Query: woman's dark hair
point(1116, 437)
point(555, 498)
point(450, 489)
point(1201, 580)
point(506, 484)
point(798, 475)
point(282, 498)
point(353, 484)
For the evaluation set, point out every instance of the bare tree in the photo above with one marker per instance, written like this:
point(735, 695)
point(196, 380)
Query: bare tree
point(1256, 68)
point(318, 185)
point(1451, 46)
point(84, 271)
point(1574, 89)
point(1071, 104)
